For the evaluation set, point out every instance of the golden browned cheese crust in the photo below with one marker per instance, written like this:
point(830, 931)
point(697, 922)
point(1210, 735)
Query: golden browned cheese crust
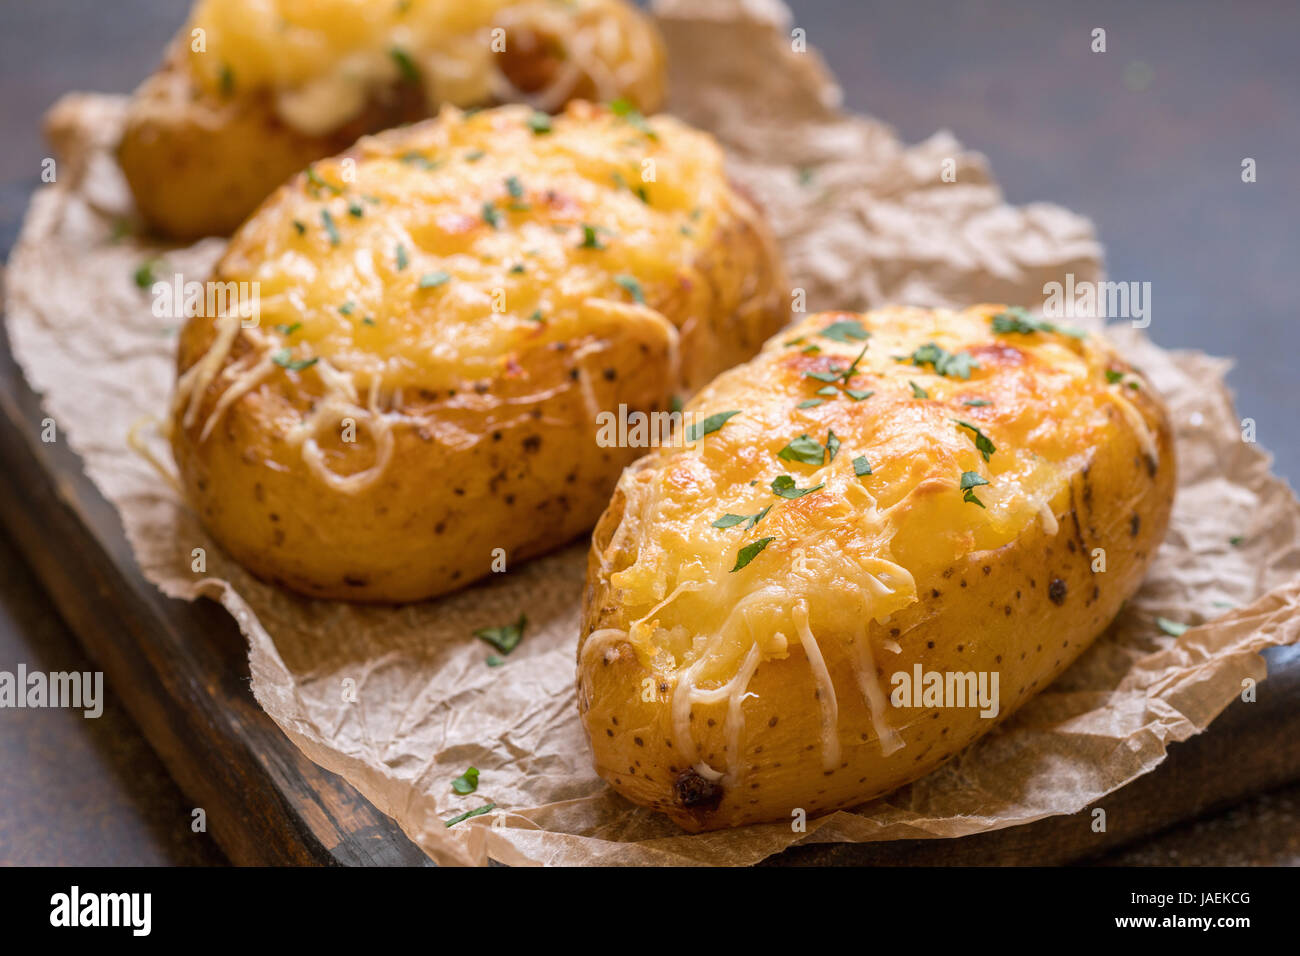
point(445, 312)
point(262, 89)
point(734, 671)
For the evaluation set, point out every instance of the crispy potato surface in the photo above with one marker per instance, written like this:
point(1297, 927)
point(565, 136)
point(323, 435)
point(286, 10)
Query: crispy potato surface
point(900, 494)
point(251, 91)
point(445, 312)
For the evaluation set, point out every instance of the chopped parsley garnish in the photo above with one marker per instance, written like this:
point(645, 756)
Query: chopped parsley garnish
point(1112, 376)
point(517, 269)
point(402, 260)
point(536, 316)
point(730, 521)
point(347, 308)
point(969, 481)
point(982, 443)
point(749, 552)
point(367, 321)
point(803, 449)
point(144, 277)
point(1236, 540)
point(330, 228)
point(861, 467)
point(432, 280)
point(356, 210)
point(810, 403)
point(638, 191)
point(300, 226)
point(945, 363)
point(471, 813)
point(514, 187)
point(975, 403)
point(632, 286)
point(539, 123)
point(474, 155)
point(1017, 319)
point(405, 65)
point(857, 394)
point(831, 376)
point(832, 446)
point(846, 330)
point(415, 159)
point(504, 638)
point(710, 425)
point(318, 184)
point(227, 79)
point(467, 782)
point(589, 238)
point(848, 373)
point(491, 216)
point(830, 391)
point(917, 390)
point(784, 486)
point(629, 114)
point(1172, 628)
point(288, 329)
point(284, 359)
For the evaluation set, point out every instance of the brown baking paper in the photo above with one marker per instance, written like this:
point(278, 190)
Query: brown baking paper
point(863, 220)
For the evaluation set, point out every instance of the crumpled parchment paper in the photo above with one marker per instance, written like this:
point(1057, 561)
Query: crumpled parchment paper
point(863, 220)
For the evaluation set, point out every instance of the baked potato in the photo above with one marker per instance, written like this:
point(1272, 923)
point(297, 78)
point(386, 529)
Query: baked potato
point(444, 313)
point(895, 495)
point(251, 91)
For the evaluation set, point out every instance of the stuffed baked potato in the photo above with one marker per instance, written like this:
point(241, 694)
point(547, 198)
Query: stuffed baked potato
point(894, 495)
point(445, 311)
point(252, 91)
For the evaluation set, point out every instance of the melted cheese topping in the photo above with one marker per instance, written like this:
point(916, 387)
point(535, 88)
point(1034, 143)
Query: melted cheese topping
point(858, 547)
point(441, 252)
point(324, 58)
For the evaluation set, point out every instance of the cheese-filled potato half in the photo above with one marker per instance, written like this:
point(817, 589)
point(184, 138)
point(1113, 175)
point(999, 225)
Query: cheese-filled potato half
point(251, 91)
point(906, 492)
point(444, 312)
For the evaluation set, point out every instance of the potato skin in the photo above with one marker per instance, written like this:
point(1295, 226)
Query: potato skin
point(1025, 609)
point(199, 160)
point(490, 414)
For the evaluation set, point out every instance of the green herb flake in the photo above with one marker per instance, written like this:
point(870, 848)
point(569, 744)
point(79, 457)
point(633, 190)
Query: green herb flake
point(491, 216)
point(474, 155)
point(356, 210)
point(730, 521)
point(467, 782)
point(830, 391)
point(832, 446)
point(405, 65)
point(1172, 628)
point(471, 813)
point(539, 123)
point(632, 116)
point(945, 363)
point(861, 467)
point(917, 390)
point(590, 240)
point(749, 552)
point(975, 403)
point(633, 288)
point(144, 275)
point(969, 481)
point(287, 329)
point(1113, 376)
point(982, 443)
point(1236, 540)
point(710, 425)
point(506, 637)
point(227, 79)
point(810, 403)
point(412, 158)
point(858, 395)
point(784, 487)
point(803, 449)
point(514, 187)
point(284, 358)
point(331, 229)
point(431, 280)
point(1019, 321)
point(536, 316)
point(402, 260)
point(347, 308)
point(846, 331)
point(317, 184)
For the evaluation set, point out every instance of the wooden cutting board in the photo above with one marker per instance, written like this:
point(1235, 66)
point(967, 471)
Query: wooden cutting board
point(181, 669)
